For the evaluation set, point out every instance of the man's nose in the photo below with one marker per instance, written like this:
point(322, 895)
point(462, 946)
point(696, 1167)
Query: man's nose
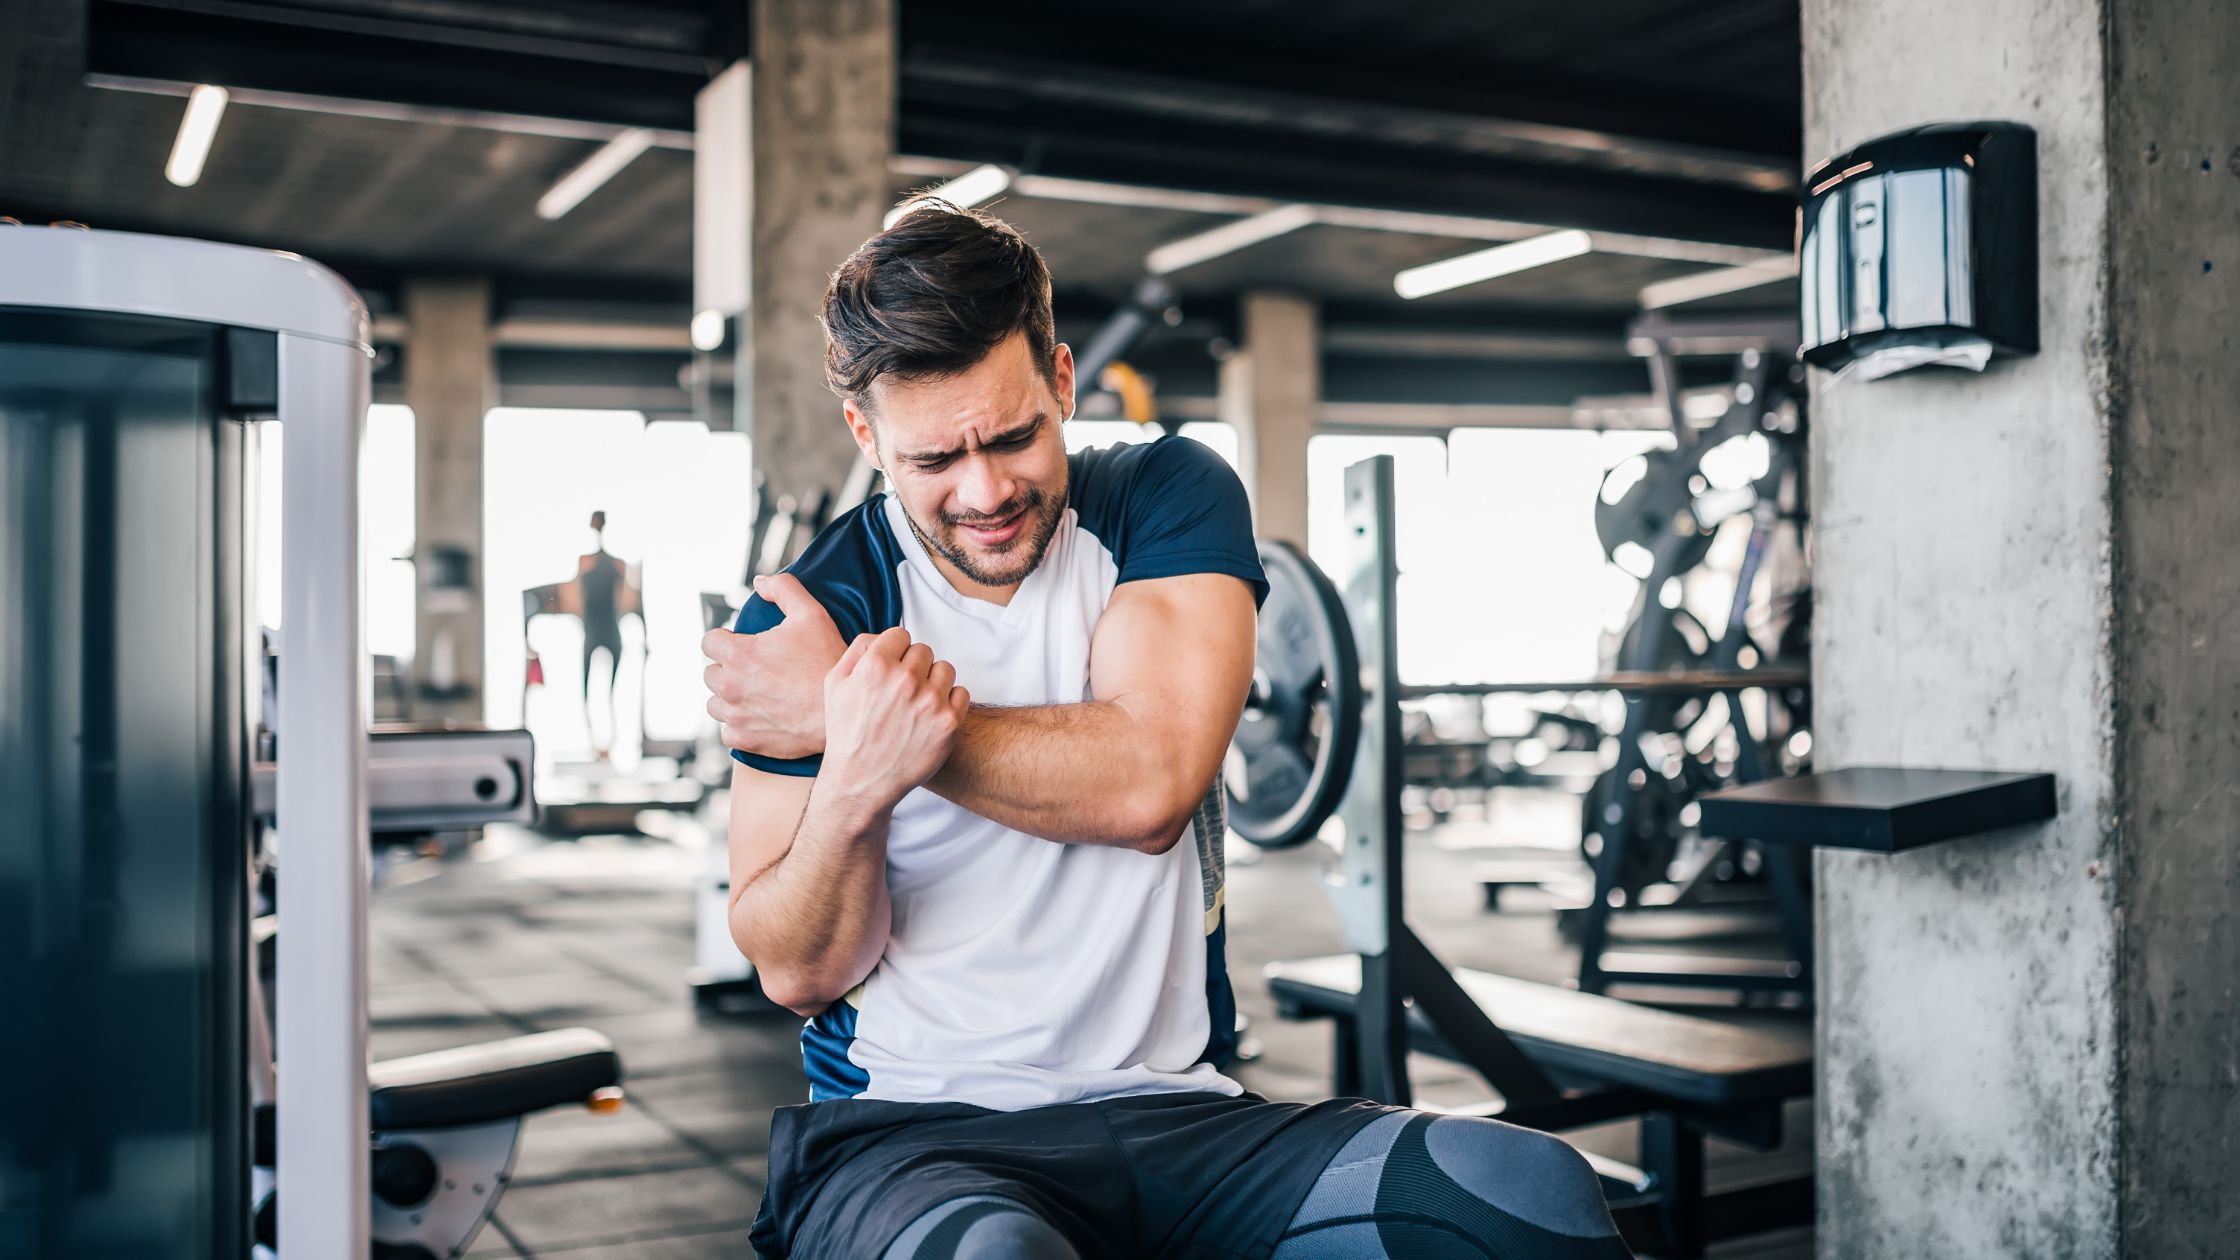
point(985, 488)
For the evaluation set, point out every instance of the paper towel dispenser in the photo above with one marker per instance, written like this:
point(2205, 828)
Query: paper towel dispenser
point(1921, 248)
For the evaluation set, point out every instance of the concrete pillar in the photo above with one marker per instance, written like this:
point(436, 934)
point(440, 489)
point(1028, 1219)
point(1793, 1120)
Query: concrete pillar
point(2027, 1040)
point(790, 175)
point(450, 382)
point(1270, 390)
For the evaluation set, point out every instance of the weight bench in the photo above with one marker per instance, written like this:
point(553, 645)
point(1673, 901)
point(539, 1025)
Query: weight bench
point(1684, 1076)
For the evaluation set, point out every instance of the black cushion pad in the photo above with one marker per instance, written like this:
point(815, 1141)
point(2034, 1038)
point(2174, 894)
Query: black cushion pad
point(496, 1080)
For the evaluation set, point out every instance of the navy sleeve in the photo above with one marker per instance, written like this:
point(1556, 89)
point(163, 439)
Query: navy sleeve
point(756, 616)
point(850, 569)
point(1186, 512)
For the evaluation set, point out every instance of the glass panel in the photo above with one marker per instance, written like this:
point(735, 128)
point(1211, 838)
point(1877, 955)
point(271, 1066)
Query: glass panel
point(122, 861)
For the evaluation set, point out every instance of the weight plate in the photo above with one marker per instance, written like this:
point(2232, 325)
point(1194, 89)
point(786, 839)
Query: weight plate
point(1654, 496)
point(1654, 837)
point(1294, 747)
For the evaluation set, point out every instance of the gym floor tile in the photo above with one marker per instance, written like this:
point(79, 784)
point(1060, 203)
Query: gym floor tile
point(557, 1000)
point(733, 1130)
point(726, 1089)
point(397, 1043)
point(611, 1210)
point(572, 1144)
point(423, 1003)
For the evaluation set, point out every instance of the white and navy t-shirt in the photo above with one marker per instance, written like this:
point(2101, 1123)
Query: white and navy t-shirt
point(1020, 972)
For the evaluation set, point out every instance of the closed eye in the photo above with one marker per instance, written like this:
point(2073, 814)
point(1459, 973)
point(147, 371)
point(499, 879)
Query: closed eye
point(1016, 440)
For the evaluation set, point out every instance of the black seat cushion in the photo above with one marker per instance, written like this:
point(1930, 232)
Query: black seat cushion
point(496, 1080)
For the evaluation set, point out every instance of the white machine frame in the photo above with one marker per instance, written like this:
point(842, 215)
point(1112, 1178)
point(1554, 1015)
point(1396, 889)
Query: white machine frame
point(325, 380)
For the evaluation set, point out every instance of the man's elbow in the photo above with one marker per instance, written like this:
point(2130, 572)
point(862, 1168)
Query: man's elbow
point(1154, 825)
point(807, 1000)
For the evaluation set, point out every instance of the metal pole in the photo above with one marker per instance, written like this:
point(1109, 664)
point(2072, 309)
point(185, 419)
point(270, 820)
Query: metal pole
point(1367, 885)
point(323, 1173)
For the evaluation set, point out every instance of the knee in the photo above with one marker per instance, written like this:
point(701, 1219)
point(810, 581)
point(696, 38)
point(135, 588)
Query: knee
point(986, 1228)
point(1533, 1175)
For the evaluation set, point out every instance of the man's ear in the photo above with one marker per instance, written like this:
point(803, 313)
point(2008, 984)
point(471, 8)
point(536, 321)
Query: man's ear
point(859, 428)
point(1061, 378)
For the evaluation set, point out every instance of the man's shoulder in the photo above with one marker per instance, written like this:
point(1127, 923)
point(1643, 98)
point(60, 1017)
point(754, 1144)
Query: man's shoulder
point(849, 567)
point(1108, 481)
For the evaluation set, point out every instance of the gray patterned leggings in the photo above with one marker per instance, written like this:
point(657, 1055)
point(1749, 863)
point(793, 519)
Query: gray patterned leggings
point(1409, 1186)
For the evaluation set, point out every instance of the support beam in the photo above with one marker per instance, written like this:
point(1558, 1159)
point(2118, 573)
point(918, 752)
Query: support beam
point(791, 176)
point(2026, 1039)
point(450, 382)
point(1271, 389)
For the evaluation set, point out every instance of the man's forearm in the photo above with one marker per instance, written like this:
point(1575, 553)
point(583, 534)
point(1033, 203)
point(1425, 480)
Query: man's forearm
point(1083, 773)
point(815, 921)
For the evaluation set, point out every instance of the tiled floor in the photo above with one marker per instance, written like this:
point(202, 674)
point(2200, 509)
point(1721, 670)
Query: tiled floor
point(522, 935)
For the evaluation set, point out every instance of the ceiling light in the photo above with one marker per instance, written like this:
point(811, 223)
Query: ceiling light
point(979, 184)
point(205, 106)
point(1486, 264)
point(707, 330)
point(1705, 284)
point(595, 171)
point(1227, 239)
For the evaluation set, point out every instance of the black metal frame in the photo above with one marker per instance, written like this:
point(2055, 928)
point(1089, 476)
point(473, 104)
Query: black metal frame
point(1760, 349)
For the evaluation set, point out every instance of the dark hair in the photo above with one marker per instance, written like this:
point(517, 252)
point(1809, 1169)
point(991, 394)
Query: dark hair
point(931, 296)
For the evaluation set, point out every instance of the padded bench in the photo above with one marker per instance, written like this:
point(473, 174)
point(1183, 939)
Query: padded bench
point(497, 1080)
point(1684, 1058)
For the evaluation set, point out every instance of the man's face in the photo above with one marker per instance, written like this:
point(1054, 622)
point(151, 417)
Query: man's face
point(977, 460)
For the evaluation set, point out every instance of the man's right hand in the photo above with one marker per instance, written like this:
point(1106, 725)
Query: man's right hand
point(891, 714)
point(763, 688)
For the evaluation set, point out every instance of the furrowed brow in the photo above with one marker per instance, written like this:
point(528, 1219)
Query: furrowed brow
point(1016, 433)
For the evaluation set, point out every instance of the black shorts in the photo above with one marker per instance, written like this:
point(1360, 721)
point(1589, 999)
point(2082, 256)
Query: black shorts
point(1155, 1175)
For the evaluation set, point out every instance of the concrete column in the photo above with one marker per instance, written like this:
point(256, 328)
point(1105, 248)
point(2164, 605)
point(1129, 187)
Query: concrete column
point(2027, 1039)
point(1270, 390)
point(450, 381)
point(790, 176)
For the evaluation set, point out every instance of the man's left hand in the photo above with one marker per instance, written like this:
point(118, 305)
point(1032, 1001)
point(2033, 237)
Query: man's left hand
point(767, 690)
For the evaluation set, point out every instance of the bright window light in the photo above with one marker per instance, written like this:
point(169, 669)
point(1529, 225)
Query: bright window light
point(595, 171)
point(1488, 264)
point(969, 189)
point(205, 106)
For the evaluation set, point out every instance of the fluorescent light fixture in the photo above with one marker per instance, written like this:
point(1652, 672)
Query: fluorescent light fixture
point(969, 189)
point(197, 128)
point(1724, 280)
point(1227, 239)
point(595, 171)
point(1487, 264)
point(707, 330)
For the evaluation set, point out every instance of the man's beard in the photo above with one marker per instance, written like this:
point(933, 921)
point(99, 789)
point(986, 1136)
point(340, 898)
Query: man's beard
point(1032, 541)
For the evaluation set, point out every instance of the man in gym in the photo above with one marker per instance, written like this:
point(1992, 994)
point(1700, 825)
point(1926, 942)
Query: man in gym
point(976, 836)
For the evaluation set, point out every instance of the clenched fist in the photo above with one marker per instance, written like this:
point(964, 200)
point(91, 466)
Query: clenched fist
point(891, 715)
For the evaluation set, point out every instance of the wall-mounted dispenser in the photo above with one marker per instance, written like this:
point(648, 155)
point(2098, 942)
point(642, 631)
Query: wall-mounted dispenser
point(1920, 249)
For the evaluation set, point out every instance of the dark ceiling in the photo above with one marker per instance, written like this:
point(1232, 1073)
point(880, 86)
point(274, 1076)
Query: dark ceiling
point(1676, 121)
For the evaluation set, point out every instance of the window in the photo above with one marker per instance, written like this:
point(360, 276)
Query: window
point(678, 508)
point(385, 527)
point(1083, 434)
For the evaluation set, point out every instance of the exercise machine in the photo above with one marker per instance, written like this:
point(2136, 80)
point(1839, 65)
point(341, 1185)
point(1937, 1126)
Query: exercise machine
point(1556, 1058)
point(129, 791)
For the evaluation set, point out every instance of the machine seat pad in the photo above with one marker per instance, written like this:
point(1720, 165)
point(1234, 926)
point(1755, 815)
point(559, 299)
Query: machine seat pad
point(496, 1080)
